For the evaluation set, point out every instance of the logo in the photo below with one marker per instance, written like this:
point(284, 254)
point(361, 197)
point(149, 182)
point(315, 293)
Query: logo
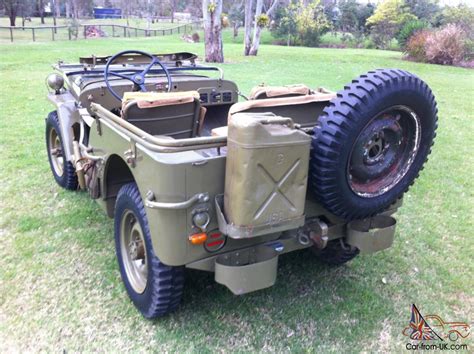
point(434, 328)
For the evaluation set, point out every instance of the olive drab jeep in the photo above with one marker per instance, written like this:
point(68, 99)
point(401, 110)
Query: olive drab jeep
point(195, 178)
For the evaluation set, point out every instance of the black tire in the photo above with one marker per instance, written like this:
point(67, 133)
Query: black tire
point(336, 253)
point(371, 142)
point(164, 284)
point(65, 176)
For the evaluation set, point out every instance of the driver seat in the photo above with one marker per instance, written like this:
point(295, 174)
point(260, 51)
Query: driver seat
point(175, 114)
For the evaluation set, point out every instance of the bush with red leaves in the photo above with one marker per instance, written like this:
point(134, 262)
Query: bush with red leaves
point(416, 46)
point(446, 46)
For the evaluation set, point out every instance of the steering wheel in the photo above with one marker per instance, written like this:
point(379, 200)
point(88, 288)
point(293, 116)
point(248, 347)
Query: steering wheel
point(138, 78)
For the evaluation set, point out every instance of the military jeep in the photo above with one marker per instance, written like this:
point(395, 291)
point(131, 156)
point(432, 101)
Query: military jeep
point(196, 179)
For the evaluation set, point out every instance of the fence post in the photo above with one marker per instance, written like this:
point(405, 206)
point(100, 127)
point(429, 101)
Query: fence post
point(33, 33)
point(52, 33)
point(11, 34)
point(85, 32)
point(69, 33)
point(136, 32)
point(113, 30)
point(163, 32)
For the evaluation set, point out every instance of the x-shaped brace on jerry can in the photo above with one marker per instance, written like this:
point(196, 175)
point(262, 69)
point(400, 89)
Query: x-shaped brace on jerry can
point(277, 185)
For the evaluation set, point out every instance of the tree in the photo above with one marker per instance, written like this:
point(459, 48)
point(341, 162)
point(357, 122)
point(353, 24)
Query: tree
point(11, 8)
point(259, 18)
point(286, 26)
point(353, 16)
point(461, 15)
point(303, 22)
point(427, 10)
point(236, 17)
point(41, 10)
point(311, 23)
point(387, 20)
point(26, 10)
point(212, 10)
point(173, 5)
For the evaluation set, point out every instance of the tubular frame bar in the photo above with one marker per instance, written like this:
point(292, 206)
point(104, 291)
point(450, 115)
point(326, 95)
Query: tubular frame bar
point(154, 143)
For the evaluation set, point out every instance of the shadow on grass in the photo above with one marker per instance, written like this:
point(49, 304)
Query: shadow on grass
point(309, 302)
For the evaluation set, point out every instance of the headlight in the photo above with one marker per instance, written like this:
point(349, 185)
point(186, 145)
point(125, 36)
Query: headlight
point(56, 82)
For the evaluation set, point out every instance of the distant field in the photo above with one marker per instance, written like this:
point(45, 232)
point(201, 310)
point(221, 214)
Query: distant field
point(60, 287)
point(44, 34)
point(135, 22)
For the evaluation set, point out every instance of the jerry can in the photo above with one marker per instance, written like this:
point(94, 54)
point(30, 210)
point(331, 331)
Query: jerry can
point(266, 174)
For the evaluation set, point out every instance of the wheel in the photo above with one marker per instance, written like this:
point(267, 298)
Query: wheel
point(154, 287)
point(453, 336)
point(337, 252)
point(371, 142)
point(63, 170)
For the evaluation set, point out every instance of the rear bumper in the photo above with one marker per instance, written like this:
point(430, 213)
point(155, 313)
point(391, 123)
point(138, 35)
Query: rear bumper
point(254, 268)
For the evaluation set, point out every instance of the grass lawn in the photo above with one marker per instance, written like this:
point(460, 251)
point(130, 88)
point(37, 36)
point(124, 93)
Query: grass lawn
point(60, 288)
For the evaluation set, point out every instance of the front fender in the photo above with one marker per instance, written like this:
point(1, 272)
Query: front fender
point(68, 115)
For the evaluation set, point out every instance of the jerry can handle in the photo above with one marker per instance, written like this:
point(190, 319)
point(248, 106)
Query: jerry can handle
point(278, 120)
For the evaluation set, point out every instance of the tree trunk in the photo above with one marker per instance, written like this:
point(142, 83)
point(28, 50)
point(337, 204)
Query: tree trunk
point(256, 41)
point(68, 8)
point(248, 26)
point(236, 30)
point(57, 8)
point(213, 30)
point(12, 16)
point(41, 11)
point(173, 10)
point(75, 9)
point(257, 30)
point(53, 12)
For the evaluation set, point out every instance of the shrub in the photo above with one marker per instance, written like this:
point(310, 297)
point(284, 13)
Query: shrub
point(416, 46)
point(302, 23)
point(409, 29)
point(196, 37)
point(446, 46)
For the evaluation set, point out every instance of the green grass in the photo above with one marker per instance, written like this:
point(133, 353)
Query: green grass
point(60, 287)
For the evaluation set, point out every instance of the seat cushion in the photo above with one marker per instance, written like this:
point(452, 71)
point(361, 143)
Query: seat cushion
point(259, 92)
point(220, 131)
point(155, 99)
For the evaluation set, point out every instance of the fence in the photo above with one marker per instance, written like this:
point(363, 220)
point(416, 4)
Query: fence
point(88, 31)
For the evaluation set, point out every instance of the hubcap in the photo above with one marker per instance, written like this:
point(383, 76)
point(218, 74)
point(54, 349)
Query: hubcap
point(133, 250)
point(384, 151)
point(56, 152)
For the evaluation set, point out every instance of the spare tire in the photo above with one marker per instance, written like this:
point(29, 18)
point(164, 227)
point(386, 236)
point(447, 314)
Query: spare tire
point(371, 142)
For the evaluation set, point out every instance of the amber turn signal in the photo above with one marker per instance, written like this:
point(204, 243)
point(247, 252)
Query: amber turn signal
point(198, 239)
